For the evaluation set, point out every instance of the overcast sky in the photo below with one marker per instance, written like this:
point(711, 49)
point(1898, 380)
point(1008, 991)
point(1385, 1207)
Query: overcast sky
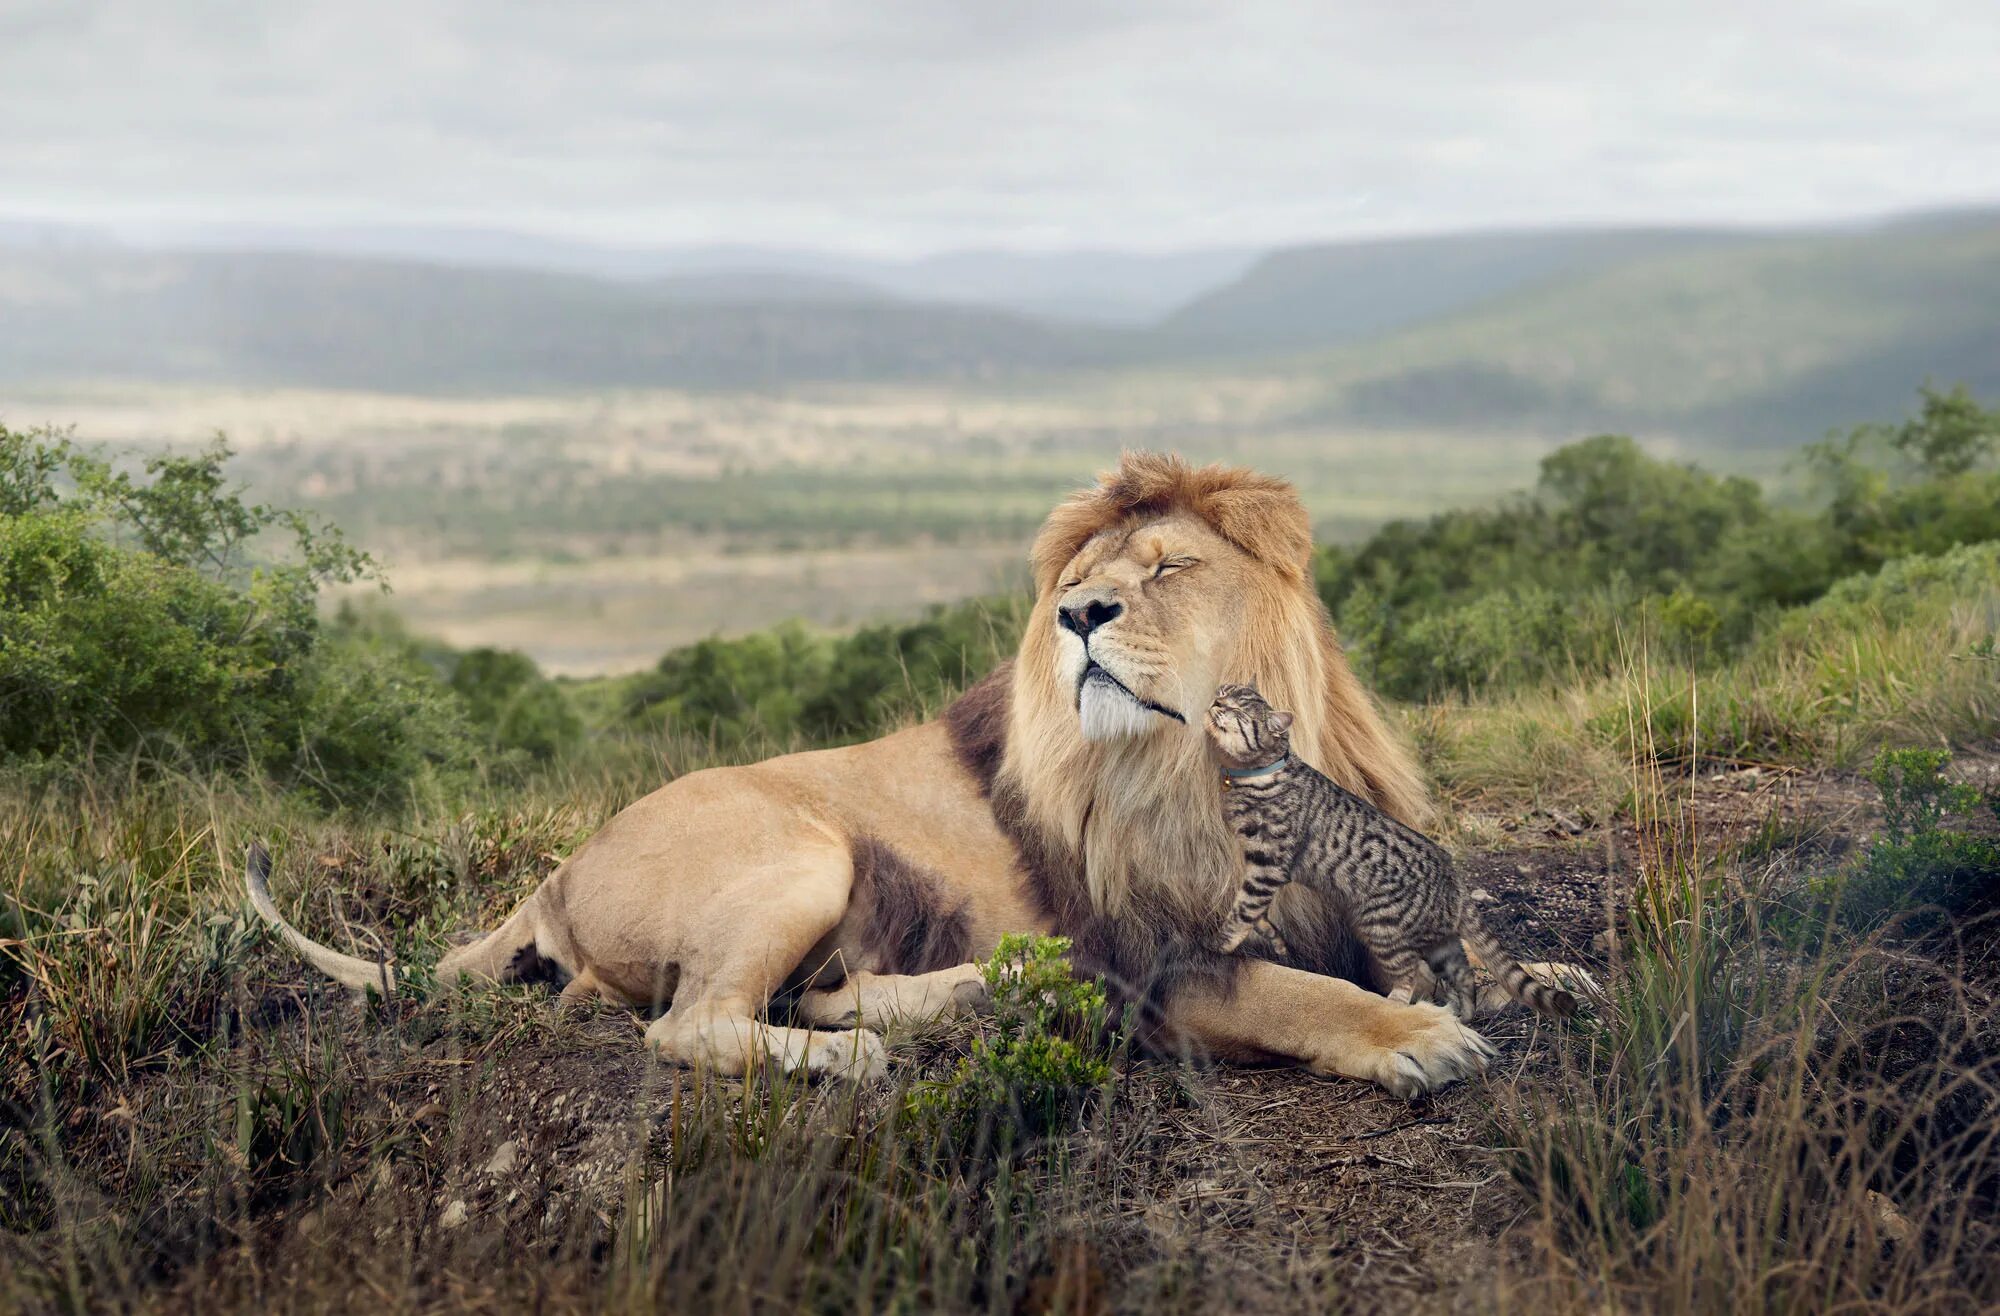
point(910, 126)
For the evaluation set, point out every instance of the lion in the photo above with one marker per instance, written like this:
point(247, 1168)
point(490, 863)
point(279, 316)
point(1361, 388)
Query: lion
point(1068, 792)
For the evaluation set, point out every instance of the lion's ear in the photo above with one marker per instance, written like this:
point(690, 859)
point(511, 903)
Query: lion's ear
point(1269, 523)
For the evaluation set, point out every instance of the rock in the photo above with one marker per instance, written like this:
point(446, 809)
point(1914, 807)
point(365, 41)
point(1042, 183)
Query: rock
point(454, 1215)
point(504, 1158)
point(1483, 896)
point(1895, 1226)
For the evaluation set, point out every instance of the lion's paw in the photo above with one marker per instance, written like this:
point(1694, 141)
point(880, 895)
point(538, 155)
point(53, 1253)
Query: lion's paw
point(1435, 1049)
point(971, 996)
point(1573, 978)
point(857, 1055)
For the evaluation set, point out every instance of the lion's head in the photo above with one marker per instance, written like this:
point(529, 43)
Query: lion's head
point(1152, 590)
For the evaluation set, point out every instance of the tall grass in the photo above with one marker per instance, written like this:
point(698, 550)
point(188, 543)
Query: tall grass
point(1764, 1116)
point(1901, 658)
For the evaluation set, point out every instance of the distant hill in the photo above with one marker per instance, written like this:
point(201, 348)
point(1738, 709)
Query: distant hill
point(280, 318)
point(1344, 292)
point(1773, 340)
point(1098, 287)
point(1740, 336)
point(1109, 287)
point(758, 287)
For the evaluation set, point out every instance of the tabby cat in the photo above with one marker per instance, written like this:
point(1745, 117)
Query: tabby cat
point(1396, 888)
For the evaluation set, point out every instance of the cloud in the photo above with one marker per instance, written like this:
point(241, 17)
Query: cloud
point(911, 126)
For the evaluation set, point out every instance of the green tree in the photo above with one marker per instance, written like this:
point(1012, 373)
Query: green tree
point(517, 706)
point(157, 611)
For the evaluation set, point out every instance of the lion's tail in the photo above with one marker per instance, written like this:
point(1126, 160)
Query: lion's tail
point(348, 970)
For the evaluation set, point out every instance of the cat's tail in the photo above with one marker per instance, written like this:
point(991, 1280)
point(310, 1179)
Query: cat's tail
point(1516, 981)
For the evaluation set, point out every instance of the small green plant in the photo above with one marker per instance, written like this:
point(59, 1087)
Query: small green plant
point(1047, 1053)
point(1918, 860)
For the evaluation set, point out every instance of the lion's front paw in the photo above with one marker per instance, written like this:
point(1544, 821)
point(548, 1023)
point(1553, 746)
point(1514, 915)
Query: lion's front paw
point(1573, 978)
point(1434, 1049)
point(857, 1055)
point(971, 996)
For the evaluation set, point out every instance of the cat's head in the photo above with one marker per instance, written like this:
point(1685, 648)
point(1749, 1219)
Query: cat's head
point(1246, 732)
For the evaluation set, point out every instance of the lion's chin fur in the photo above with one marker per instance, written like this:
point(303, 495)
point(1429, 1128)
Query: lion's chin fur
point(1106, 713)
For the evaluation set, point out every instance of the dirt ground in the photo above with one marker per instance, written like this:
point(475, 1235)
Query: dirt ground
point(1287, 1191)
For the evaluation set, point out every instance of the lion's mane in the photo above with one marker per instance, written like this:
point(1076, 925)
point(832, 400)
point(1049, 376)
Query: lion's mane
point(1124, 842)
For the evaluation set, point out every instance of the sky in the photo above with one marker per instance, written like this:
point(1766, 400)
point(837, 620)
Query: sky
point(899, 127)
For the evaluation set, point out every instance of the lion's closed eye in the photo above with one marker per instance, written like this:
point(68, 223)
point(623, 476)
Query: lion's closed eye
point(1169, 565)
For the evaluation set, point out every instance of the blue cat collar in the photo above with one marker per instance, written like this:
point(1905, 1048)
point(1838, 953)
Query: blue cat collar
point(1250, 774)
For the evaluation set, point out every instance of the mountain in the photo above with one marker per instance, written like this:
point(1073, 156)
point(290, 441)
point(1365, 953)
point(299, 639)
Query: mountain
point(1332, 293)
point(1758, 336)
point(1101, 287)
point(758, 287)
point(282, 318)
point(1109, 287)
point(1772, 340)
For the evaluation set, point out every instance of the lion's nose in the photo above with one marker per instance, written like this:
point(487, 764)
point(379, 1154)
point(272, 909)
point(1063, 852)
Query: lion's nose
point(1087, 617)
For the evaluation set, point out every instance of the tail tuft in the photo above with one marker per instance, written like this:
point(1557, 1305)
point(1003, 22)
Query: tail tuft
point(348, 970)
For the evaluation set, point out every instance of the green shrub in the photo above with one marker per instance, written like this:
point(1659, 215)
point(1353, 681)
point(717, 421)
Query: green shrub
point(156, 614)
point(372, 725)
point(1918, 487)
point(518, 707)
point(1917, 860)
point(788, 684)
point(731, 689)
point(1045, 1057)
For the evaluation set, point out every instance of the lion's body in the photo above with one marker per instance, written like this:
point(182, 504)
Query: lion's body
point(1066, 793)
point(766, 854)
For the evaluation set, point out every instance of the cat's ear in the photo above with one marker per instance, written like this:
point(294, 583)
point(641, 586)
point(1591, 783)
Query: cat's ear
point(1281, 721)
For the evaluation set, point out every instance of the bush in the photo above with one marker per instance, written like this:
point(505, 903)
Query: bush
point(373, 725)
point(520, 709)
point(158, 614)
point(1917, 860)
point(788, 684)
point(1045, 1057)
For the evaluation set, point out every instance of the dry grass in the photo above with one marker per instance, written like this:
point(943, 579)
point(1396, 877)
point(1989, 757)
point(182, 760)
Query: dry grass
point(1766, 1115)
point(1824, 689)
